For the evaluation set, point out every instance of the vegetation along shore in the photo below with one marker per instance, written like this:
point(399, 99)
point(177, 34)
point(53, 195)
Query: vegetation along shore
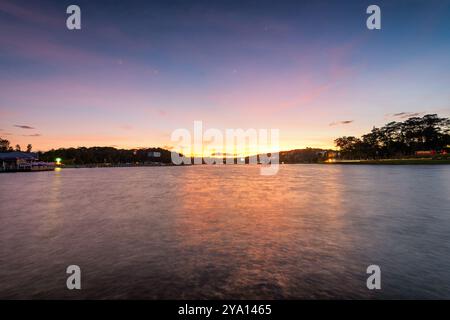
point(417, 140)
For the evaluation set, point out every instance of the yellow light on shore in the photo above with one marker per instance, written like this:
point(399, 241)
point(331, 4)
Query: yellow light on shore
point(58, 161)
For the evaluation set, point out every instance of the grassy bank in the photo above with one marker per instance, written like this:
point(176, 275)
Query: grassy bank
point(394, 161)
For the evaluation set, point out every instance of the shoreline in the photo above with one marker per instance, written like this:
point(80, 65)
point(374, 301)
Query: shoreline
point(392, 162)
point(344, 162)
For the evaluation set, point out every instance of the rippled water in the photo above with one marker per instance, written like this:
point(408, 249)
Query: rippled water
point(226, 232)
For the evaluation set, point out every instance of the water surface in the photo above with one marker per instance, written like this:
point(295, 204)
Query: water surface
point(226, 232)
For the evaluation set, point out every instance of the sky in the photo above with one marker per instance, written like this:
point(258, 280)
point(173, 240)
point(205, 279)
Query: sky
point(138, 70)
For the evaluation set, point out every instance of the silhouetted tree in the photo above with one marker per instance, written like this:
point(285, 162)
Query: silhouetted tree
point(4, 145)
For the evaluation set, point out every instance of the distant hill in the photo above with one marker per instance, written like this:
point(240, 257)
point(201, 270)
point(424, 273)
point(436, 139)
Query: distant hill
point(308, 155)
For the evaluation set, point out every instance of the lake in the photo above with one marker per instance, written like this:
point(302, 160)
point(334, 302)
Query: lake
point(216, 232)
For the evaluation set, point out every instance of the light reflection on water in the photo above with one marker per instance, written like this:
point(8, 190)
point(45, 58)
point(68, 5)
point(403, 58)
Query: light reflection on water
point(226, 232)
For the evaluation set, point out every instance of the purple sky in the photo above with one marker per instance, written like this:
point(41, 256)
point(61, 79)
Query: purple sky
point(137, 70)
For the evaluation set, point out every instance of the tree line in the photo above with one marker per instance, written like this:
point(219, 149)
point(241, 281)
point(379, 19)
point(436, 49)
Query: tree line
point(96, 155)
point(398, 139)
point(106, 155)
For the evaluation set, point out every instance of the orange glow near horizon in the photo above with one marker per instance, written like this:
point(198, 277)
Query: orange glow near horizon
point(45, 143)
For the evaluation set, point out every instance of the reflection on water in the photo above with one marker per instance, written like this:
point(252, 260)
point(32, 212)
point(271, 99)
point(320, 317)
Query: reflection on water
point(226, 232)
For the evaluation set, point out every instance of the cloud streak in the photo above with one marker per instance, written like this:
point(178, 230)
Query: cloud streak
point(404, 115)
point(32, 135)
point(24, 127)
point(341, 122)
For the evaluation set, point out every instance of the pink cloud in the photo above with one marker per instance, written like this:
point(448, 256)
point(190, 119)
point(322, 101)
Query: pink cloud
point(29, 13)
point(24, 42)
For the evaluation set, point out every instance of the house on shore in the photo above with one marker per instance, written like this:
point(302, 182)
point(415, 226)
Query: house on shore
point(23, 161)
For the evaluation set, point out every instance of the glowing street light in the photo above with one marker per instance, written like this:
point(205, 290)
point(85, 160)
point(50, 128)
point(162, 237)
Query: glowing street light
point(58, 161)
